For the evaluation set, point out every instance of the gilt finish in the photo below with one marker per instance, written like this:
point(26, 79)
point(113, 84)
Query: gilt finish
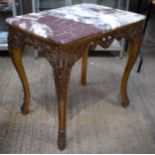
point(63, 52)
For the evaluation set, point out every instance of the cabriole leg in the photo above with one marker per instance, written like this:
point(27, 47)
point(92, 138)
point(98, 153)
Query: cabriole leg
point(61, 77)
point(131, 61)
point(17, 60)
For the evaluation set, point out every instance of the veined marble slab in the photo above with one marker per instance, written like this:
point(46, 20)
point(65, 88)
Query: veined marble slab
point(67, 24)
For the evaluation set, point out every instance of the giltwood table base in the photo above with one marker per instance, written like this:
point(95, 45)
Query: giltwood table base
point(62, 59)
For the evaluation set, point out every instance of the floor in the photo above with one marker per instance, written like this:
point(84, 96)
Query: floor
point(96, 121)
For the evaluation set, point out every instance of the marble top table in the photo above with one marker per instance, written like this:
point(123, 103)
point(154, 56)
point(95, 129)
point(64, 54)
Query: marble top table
point(66, 34)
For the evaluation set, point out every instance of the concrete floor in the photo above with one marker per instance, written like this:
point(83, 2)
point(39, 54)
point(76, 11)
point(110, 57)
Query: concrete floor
point(96, 122)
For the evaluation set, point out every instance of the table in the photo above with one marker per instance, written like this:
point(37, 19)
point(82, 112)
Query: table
point(63, 36)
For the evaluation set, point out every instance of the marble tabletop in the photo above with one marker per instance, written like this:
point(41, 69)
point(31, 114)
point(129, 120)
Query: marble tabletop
point(71, 23)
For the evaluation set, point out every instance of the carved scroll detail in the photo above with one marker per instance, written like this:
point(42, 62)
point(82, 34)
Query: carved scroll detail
point(104, 42)
point(131, 34)
point(20, 40)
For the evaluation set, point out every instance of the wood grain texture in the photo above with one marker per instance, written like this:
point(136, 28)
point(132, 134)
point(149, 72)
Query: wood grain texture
point(84, 67)
point(16, 56)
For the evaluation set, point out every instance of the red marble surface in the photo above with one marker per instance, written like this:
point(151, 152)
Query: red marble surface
point(68, 24)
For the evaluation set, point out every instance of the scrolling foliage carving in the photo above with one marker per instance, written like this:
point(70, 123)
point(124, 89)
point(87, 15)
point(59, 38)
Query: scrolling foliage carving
point(132, 34)
point(17, 39)
point(62, 61)
point(104, 42)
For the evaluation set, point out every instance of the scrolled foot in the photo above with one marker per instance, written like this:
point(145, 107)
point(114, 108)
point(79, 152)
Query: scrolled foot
point(24, 110)
point(125, 102)
point(61, 140)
